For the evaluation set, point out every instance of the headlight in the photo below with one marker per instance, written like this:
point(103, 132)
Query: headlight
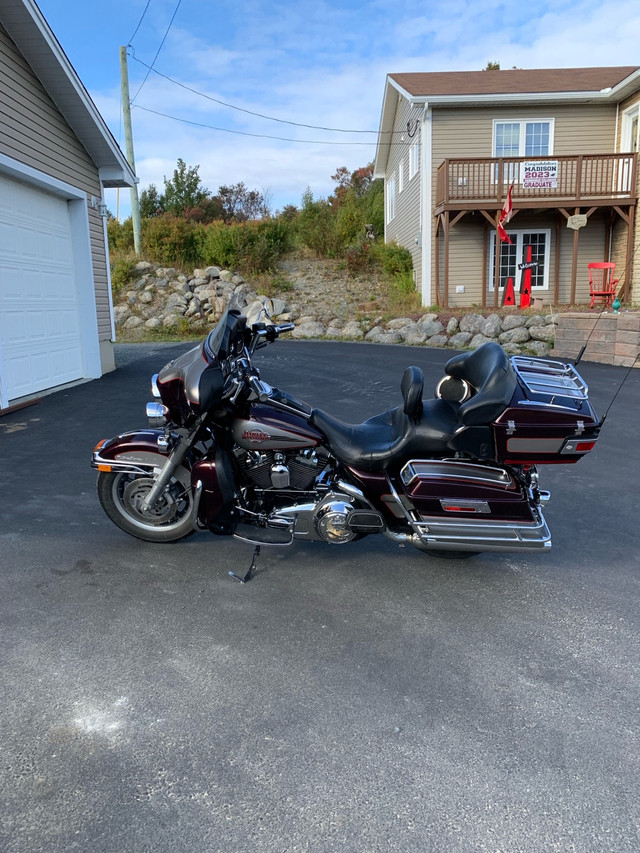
point(157, 414)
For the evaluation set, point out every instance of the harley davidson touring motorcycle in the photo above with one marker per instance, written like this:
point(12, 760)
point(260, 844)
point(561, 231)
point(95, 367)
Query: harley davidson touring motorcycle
point(453, 475)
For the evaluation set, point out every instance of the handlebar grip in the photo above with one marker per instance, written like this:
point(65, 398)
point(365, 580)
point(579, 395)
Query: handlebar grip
point(285, 327)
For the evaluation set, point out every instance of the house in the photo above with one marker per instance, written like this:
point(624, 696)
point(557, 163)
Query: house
point(450, 145)
point(56, 157)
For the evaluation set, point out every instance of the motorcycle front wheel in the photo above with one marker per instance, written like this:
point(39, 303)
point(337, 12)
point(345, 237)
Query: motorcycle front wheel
point(121, 496)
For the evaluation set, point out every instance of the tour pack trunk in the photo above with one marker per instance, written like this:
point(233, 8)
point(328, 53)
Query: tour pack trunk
point(550, 419)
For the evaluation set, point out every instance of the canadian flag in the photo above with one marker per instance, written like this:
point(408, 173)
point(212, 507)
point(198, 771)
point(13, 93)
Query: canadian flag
point(505, 215)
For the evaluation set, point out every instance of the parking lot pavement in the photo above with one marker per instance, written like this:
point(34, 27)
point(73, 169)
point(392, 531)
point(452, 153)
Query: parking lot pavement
point(360, 698)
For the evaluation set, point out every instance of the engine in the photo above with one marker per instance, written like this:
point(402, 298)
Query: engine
point(271, 470)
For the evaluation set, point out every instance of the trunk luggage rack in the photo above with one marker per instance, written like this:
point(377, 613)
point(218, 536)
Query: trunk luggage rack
point(543, 376)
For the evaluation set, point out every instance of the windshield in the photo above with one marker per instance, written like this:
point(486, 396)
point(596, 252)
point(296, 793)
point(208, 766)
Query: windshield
point(227, 338)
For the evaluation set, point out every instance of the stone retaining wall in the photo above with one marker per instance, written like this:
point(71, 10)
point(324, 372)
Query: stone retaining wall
point(610, 338)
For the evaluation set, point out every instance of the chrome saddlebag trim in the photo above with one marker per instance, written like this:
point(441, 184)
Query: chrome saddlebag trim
point(462, 534)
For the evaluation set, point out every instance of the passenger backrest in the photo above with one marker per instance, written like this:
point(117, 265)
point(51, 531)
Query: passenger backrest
point(489, 371)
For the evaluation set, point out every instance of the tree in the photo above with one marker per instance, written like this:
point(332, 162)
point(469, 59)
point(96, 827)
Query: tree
point(492, 66)
point(151, 202)
point(184, 191)
point(240, 204)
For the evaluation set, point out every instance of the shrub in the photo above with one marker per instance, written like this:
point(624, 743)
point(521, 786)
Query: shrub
point(169, 241)
point(253, 247)
point(395, 261)
point(122, 269)
point(120, 235)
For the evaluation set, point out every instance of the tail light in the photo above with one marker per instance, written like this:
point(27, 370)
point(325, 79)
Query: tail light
point(574, 445)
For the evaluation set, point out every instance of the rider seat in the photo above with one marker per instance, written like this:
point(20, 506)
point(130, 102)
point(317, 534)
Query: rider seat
point(387, 438)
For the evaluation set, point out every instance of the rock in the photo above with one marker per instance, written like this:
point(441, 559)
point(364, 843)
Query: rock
point(171, 321)
point(351, 331)
point(166, 272)
point(121, 313)
point(400, 323)
point(426, 317)
point(279, 307)
point(176, 300)
point(200, 281)
point(472, 323)
point(452, 326)
point(437, 341)
point(180, 287)
point(310, 329)
point(237, 279)
point(477, 341)
point(132, 322)
point(538, 348)
point(212, 272)
point(255, 313)
point(460, 340)
point(413, 337)
point(194, 307)
point(153, 323)
point(146, 297)
point(162, 283)
point(543, 333)
point(431, 327)
point(518, 335)
point(512, 349)
point(226, 275)
point(378, 335)
point(492, 326)
point(143, 267)
point(536, 320)
point(513, 321)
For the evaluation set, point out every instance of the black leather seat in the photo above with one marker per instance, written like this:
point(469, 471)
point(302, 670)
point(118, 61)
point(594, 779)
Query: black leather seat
point(493, 378)
point(392, 436)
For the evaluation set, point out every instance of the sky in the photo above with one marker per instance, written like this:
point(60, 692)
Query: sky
point(318, 68)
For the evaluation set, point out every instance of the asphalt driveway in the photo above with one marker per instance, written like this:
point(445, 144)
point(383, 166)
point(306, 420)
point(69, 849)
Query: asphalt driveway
point(359, 698)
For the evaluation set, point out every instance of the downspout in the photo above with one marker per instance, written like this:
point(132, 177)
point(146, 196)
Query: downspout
point(426, 169)
point(615, 149)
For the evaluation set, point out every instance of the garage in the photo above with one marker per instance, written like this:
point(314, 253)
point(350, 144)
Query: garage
point(40, 336)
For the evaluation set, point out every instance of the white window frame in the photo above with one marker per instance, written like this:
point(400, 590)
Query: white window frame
point(414, 159)
point(523, 122)
point(628, 116)
point(518, 233)
point(400, 175)
point(391, 199)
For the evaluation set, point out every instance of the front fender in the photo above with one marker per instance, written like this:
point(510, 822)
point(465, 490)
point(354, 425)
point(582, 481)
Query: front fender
point(135, 453)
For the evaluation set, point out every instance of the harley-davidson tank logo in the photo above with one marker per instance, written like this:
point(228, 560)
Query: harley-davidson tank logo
point(255, 435)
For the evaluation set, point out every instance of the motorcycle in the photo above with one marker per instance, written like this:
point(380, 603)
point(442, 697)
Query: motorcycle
point(454, 475)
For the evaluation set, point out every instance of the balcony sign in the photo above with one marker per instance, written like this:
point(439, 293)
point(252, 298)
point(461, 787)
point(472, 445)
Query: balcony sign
point(540, 174)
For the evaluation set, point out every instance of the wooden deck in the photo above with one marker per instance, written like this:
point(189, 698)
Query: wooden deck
point(581, 180)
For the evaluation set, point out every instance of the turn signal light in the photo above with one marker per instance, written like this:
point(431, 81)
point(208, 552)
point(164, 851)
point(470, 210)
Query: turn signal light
point(106, 468)
point(100, 444)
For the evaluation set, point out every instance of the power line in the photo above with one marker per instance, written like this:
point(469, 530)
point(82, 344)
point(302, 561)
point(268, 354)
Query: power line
point(150, 67)
point(139, 22)
point(244, 133)
point(249, 112)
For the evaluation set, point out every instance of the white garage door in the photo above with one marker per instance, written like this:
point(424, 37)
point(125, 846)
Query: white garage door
point(40, 340)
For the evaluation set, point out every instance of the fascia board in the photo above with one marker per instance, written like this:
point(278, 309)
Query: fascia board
point(384, 132)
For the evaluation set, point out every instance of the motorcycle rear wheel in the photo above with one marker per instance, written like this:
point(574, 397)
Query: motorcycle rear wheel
point(121, 496)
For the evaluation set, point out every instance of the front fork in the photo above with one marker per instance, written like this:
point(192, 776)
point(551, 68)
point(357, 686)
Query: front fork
point(186, 439)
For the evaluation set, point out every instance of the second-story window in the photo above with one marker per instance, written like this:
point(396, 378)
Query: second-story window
point(400, 175)
point(414, 159)
point(520, 138)
point(391, 199)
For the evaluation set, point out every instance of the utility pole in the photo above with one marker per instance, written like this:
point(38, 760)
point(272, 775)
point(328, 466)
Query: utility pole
point(126, 110)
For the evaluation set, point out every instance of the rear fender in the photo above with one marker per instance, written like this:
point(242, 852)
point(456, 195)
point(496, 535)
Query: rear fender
point(135, 453)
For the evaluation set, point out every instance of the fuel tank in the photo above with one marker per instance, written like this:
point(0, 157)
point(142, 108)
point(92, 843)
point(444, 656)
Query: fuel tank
point(267, 429)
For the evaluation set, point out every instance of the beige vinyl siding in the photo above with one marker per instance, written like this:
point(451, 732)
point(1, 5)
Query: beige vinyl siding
point(469, 252)
point(405, 226)
point(619, 242)
point(34, 132)
point(579, 129)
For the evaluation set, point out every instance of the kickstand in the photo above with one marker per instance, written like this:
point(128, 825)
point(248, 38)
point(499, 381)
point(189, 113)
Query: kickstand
point(252, 568)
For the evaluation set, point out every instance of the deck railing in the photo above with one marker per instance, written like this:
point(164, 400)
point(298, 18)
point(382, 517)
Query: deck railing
point(577, 180)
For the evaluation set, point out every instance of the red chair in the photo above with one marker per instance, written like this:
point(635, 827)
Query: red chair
point(602, 284)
